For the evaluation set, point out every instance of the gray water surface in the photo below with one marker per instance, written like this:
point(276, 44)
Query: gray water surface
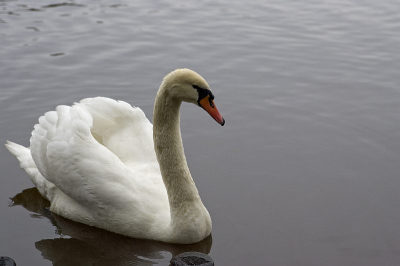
point(306, 169)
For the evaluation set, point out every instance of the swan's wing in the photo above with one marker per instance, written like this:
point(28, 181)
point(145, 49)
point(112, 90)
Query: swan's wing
point(67, 154)
point(123, 129)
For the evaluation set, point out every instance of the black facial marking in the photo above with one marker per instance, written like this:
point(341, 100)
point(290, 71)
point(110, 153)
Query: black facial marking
point(204, 93)
point(196, 87)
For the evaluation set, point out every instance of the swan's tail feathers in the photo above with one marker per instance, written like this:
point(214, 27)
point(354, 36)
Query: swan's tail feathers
point(26, 162)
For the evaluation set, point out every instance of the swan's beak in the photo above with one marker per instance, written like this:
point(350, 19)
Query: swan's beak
point(210, 108)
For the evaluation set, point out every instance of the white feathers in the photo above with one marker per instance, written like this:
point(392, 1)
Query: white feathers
point(96, 159)
point(23, 155)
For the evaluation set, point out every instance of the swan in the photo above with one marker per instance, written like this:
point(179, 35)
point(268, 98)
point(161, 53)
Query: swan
point(102, 163)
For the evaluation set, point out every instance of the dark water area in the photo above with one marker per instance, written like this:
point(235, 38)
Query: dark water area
point(306, 170)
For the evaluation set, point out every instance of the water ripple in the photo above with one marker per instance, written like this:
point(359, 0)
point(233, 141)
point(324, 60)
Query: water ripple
point(309, 90)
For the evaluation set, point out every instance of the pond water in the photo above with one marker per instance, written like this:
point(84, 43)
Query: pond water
point(306, 169)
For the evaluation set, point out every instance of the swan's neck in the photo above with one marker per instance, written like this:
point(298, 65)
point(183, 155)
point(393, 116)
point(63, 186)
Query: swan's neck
point(183, 196)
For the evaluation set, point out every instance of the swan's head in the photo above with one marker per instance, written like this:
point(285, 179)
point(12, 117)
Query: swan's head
point(188, 86)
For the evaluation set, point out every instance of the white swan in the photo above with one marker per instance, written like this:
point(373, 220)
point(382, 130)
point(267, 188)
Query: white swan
point(97, 164)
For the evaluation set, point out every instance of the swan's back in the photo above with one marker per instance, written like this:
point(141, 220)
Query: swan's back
point(122, 129)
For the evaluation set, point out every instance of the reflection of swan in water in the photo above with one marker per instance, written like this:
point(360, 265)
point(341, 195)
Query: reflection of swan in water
point(92, 246)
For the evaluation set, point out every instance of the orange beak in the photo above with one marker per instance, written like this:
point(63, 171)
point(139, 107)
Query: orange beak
point(210, 108)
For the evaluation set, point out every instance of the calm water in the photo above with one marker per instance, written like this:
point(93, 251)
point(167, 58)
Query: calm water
point(306, 170)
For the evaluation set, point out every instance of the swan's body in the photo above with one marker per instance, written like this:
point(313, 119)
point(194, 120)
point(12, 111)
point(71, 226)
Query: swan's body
point(97, 164)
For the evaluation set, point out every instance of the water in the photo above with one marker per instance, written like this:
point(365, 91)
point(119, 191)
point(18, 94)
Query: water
point(306, 169)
